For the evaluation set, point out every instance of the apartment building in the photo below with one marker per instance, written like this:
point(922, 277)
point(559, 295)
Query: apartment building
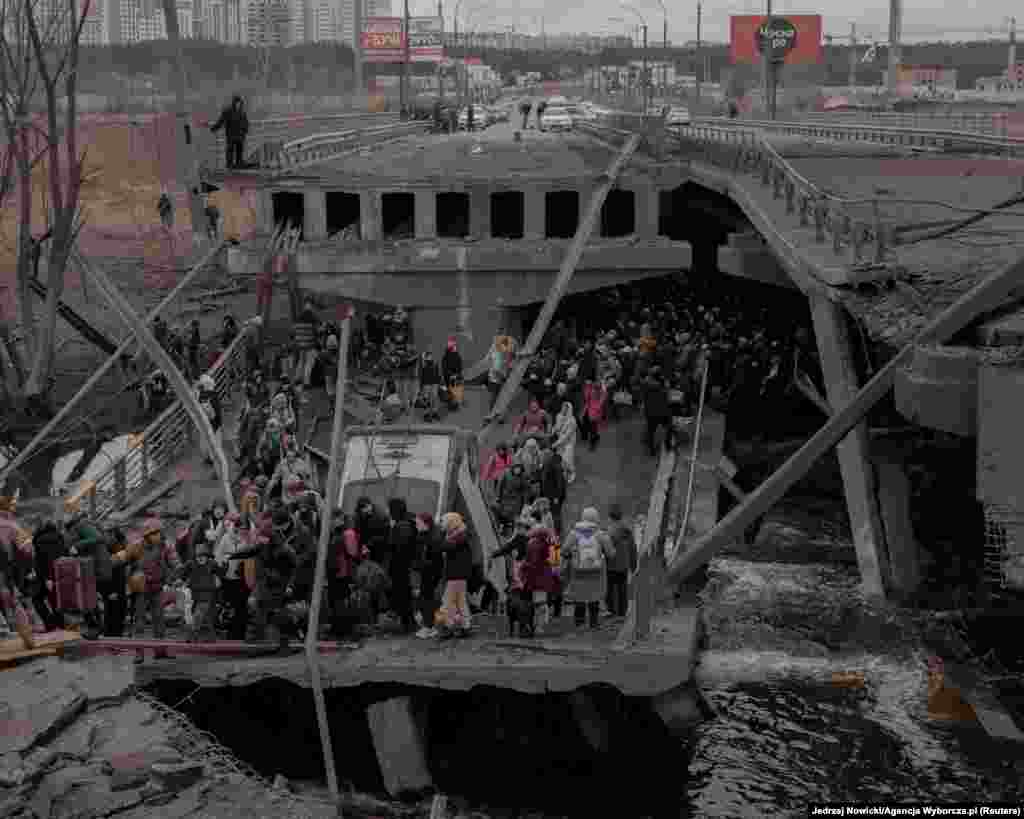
point(268, 22)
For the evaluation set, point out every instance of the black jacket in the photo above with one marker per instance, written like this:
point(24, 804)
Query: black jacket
point(402, 548)
point(451, 364)
point(49, 545)
point(656, 401)
point(552, 480)
point(429, 560)
point(234, 122)
point(430, 376)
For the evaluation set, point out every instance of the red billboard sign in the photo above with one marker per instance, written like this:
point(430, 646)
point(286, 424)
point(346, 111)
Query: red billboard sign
point(382, 40)
point(802, 38)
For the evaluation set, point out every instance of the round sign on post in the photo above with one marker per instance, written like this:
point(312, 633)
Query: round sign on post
point(776, 37)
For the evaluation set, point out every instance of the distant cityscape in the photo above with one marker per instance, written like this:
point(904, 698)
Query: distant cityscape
point(287, 23)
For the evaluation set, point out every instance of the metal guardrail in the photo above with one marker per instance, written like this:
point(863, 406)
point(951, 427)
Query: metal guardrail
point(744, 151)
point(213, 154)
point(321, 147)
point(945, 140)
point(159, 445)
point(992, 123)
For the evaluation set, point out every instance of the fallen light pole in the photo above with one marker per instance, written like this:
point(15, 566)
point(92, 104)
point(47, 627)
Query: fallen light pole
point(163, 360)
point(335, 462)
point(107, 365)
point(984, 297)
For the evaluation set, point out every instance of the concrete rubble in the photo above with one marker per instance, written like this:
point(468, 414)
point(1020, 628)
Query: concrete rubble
point(77, 743)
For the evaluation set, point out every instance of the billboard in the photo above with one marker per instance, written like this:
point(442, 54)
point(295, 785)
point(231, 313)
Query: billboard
point(382, 40)
point(794, 39)
point(426, 43)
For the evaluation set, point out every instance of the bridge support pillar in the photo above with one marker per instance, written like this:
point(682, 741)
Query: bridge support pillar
point(831, 328)
point(315, 214)
point(369, 215)
point(426, 214)
point(646, 198)
point(894, 504)
point(535, 202)
point(480, 213)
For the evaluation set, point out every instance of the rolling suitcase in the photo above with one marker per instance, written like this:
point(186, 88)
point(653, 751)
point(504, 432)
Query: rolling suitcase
point(74, 581)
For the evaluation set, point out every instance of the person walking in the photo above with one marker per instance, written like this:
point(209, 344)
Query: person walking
point(621, 564)
point(585, 554)
point(235, 122)
point(402, 552)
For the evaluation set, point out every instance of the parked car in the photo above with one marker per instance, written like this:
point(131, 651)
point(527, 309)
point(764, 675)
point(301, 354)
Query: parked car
point(556, 119)
point(479, 118)
point(677, 117)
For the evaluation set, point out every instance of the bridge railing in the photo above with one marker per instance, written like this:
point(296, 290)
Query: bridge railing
point(321, 147)
point(160, 445)
point(992, 123)
point(853, 227)
point(926, 138)
point(213, 150)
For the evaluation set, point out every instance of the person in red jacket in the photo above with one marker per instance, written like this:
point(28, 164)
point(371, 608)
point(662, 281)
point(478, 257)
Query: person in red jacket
point(538, 579)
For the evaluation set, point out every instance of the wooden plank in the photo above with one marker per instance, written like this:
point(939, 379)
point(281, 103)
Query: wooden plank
point(478, 514)
point(181, 387)
point(830, 326)
point(211, 649)
point(334, 471)
point(642, 601)
point(572, 258)
point(998, 288)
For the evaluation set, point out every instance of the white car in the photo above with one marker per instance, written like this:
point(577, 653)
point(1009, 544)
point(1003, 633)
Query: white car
point(678, 117)
point(556, 119)
point(479, 118)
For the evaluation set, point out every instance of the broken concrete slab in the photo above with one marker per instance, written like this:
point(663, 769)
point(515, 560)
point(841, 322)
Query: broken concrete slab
point(400, 745)
point(105, 678)
point(177, 776)
point(23, 727)
point(680, 710)
point(590, 720)
point(58, 784)
point(130, 731)
point(94, 800)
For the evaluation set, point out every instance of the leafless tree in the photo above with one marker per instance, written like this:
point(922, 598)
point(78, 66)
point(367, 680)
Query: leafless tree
point(39, 47)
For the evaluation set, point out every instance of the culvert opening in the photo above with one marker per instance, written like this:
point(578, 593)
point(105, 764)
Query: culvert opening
point(508, 215)
point(453, 215)
point(343, 212)
point(398, 215)
point(618, 214)
point(289, 207)
point(562, 214)
point(498, 750)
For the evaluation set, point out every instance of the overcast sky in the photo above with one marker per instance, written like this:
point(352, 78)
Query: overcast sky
point(921, 20)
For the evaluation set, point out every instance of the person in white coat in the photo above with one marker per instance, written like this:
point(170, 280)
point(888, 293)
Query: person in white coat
point(565, 432)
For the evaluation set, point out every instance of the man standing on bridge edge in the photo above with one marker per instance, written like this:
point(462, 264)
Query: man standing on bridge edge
point(235, 123)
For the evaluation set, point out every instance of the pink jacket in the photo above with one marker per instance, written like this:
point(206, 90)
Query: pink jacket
point(595, 403)
point(495, 466)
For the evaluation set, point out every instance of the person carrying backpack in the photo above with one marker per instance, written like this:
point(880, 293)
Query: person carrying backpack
point(586, 553)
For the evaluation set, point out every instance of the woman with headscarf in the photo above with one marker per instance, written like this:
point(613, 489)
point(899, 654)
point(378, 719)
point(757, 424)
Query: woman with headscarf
point(281, 410)
point(565, 432)
point(585, 555)
point(272, 446)
point(529, 456)
point(538, 580)
point(533, 422)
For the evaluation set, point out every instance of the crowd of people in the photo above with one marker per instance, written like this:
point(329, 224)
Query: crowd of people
point(250, 575)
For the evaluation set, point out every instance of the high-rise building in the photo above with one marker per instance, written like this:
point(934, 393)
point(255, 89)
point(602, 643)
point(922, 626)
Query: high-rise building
point(268, 22)
point(347, 10)
point(222, 20)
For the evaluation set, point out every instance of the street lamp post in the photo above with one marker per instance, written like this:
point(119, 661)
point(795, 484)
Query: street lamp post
point(643, 76)
point(664, 48)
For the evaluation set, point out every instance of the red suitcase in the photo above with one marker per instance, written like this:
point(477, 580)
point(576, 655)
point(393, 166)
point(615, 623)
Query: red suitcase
point(74, 582)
